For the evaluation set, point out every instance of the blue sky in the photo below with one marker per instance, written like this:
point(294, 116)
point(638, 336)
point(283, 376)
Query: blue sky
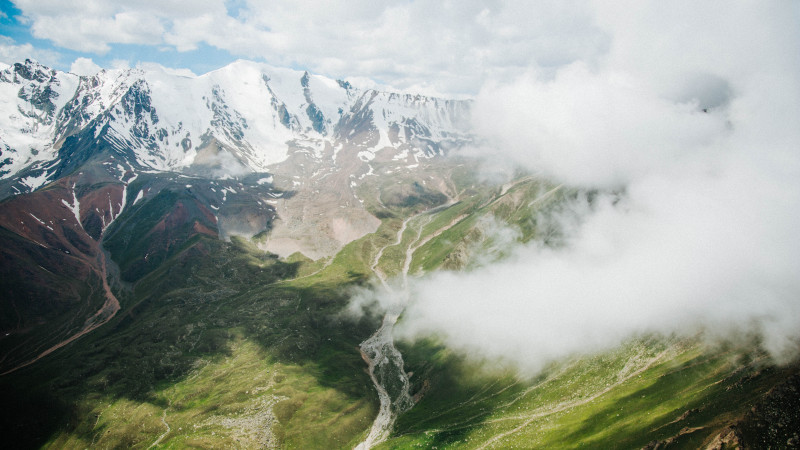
point(412, 45)
point(451, 48)
point(13, 25)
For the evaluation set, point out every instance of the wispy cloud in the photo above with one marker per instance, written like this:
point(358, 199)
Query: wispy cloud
point(84, 66)
point(448, 48)
point(692, 113)
point(11, 52)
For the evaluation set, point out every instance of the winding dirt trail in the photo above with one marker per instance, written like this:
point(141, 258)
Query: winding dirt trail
point(164, 434)
point(549, 410)
point(101, 317)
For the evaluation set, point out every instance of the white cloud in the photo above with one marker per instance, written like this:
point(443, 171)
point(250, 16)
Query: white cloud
point(158, 67)
point(84, 67)
point(93, 25)
point(436, 47)
point(600, 128)
point(120, 64)
point(11, 52)
point(683, 251)
point(92, 34)
point(705, 235)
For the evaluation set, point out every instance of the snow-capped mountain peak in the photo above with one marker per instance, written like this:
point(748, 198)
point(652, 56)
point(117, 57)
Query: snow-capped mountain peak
point(237, 119)
point(31, 96)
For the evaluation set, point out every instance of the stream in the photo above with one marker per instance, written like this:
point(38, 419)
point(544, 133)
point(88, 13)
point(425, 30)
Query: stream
point(384, 361)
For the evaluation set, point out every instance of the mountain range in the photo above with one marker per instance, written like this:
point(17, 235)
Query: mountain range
point(177, 254)
point(248, 149)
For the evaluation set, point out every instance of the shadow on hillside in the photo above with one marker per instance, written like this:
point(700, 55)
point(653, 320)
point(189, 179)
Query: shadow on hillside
point(711, 387)
point(191, 308)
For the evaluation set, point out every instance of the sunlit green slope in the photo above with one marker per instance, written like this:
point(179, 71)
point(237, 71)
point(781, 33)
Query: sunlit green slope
point(223, 346)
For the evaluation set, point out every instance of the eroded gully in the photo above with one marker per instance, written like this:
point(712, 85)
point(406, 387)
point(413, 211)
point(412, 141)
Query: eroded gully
point(384, 361)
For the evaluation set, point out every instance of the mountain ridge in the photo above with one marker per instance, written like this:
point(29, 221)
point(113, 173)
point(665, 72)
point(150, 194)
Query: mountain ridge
point(187, 253)
point(141, 163)
point(249, 111)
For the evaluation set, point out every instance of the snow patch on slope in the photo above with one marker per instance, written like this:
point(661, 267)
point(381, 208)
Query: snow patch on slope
point(30, 97)
point(75, 206)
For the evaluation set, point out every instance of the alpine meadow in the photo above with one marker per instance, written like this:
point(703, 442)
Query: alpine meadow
point(392, 225)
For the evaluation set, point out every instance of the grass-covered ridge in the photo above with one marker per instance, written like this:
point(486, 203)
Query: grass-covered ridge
point(654, 389)
point(210, 338)
point(220, 345)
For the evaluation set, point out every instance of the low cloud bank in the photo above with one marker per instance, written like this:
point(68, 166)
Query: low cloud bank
point(694, 116)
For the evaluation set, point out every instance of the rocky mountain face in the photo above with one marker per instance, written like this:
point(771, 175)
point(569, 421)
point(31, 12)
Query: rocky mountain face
point(240, 120)
point(137, 163)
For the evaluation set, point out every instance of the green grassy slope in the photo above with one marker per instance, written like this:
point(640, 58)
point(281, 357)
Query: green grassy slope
point(654, 389)
point(223, 346)
point(210, 338)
